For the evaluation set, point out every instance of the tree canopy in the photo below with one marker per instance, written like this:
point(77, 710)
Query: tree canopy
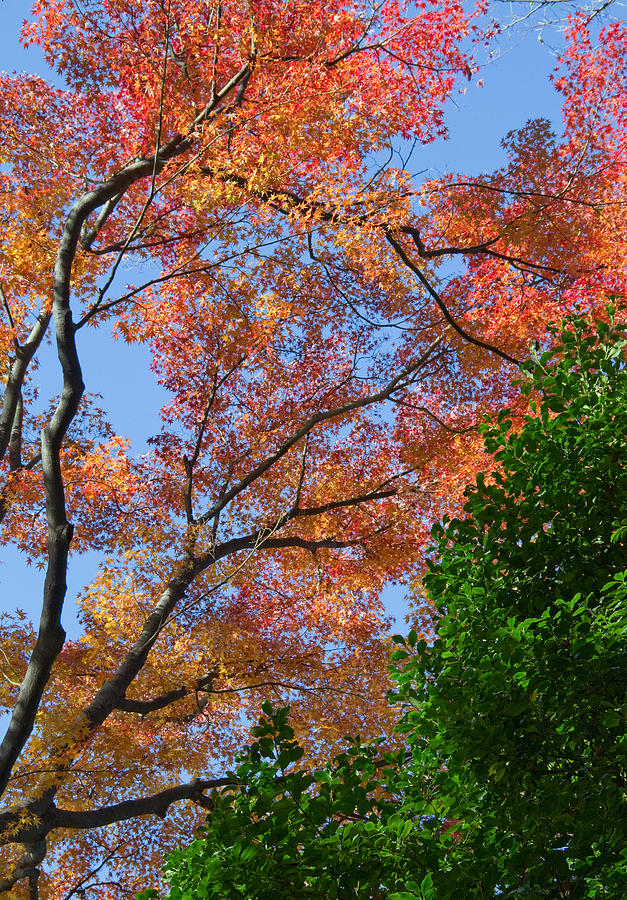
point(221, 184)
point(511, 780)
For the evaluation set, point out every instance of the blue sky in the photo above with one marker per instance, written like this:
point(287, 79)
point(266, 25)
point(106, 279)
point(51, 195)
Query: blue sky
point(515, 88)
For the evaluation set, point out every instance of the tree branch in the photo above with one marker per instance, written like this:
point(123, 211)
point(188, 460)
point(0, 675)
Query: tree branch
point(15, 378)
point(483, 248)
point(143, 707)
point(88, 236)
point(447, 315)
point(286, 201)
point(154, 805)
point(26, 867)
point(51, 635)
point(435, 418)
point(315, 420)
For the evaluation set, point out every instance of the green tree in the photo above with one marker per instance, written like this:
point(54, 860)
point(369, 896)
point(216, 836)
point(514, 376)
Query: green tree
point(512, 779)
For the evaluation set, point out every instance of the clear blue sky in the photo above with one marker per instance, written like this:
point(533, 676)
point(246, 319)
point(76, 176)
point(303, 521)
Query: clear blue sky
point(515, 88)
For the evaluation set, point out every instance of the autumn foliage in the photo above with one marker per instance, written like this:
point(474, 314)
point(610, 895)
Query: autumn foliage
point(329, 332)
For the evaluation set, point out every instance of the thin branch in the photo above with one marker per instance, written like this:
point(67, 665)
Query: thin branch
point(435, 418)
point(153, 176)
point(81, 883)
point(216, 51)
point(526, 195)
point(88, 236)
point(301, 474)
point(7, 310)
point(447, 315)
point(317, 419)
point(190, 463)
point(17, 372)
point(356, 46)
point(286, 201)
point(203, 686)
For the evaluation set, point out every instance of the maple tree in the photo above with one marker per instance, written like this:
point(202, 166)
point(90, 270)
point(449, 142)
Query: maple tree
point(325, 364)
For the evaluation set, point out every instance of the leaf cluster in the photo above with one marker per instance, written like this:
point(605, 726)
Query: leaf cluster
point(512, 781)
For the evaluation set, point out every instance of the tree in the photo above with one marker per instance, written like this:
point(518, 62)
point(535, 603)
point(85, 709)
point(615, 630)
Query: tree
point(513, 778)
point(289, 285)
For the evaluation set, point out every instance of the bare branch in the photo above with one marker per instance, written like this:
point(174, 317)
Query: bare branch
point(77, 887)
point(7, 310)
point(190, 463)
point(204, 686)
